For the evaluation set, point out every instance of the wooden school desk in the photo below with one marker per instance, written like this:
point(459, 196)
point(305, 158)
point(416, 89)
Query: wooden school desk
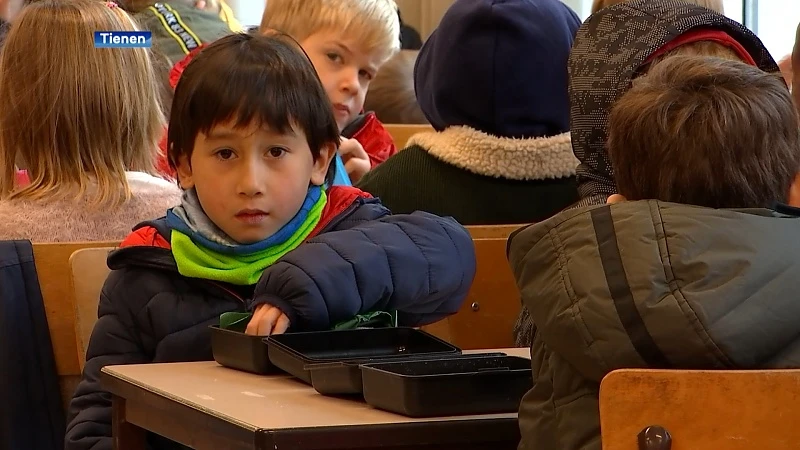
point(206, 406)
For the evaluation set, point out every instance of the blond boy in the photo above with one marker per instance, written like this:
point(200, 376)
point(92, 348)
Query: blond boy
point(347, 41)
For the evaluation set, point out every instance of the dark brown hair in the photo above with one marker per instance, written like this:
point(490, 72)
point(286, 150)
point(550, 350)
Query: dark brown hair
point(247, 79)
point(705, 131)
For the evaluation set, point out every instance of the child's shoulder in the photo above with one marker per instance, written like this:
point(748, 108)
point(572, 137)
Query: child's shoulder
point(346, 203)
point(343, 198)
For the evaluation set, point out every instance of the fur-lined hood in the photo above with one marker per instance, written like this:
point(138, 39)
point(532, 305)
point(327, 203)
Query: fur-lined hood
point(514, 159)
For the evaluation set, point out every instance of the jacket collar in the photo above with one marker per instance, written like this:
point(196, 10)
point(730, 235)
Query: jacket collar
point(514, 159)
point(149, 243)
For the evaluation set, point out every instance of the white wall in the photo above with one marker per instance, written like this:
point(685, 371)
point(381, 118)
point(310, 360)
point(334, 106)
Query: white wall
point(248, 12)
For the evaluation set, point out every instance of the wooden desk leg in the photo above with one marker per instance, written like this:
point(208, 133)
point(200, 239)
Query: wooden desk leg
point(127, 436)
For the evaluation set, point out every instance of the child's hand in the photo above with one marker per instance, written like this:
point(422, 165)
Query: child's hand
point(267, 320)
point(355, 159)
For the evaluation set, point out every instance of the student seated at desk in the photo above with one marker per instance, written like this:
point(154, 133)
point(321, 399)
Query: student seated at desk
point(706, 281)
point(251, 136)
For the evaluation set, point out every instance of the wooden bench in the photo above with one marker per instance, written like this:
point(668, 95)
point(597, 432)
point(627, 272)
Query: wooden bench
point(401, 132)
point(702, 410)
point(52, 269)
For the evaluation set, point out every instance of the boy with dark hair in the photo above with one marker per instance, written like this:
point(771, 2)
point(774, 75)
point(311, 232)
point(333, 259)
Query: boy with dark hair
point(251, 137)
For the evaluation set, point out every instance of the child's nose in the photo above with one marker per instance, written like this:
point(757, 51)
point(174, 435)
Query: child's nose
point(251, 180)
point(350, 80)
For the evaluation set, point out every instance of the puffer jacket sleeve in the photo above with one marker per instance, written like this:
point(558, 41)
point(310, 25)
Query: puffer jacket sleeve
point(113, 342)
point(419, 264)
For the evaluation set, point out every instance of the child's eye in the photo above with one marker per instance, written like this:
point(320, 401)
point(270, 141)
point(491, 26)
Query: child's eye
point(225, 154)
point(366, 75)
point(276, 152)
point(333, 56)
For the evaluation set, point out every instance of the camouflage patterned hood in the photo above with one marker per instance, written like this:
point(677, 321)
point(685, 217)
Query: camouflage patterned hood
point(609, 48)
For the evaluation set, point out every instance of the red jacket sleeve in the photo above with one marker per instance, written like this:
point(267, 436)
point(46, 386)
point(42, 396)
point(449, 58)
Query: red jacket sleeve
point(377, 142)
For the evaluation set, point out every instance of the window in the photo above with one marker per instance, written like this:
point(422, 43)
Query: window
point(734, 9)
point(775, 22)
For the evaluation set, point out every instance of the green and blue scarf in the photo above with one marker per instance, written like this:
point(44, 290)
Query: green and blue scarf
point(203, 250)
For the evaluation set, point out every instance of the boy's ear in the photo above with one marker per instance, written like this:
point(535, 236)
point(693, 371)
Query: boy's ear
point(793, 199)
point(321, 164)
point(616, 198)
point(184, 170)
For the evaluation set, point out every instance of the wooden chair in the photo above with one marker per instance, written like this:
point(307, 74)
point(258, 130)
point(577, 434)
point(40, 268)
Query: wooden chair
point(89, 271)
point(701, 410)
point(401, 132)
point(492, 231)
point(52, 269)
point(486, 319)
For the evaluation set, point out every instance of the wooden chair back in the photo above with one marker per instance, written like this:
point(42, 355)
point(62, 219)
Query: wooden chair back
point(701, 410)
point(89, 271)
point(52, 269)
point(487, 317)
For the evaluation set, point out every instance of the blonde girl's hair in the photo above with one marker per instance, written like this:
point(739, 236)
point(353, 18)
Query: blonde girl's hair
point(715, 5)
point(77, 115)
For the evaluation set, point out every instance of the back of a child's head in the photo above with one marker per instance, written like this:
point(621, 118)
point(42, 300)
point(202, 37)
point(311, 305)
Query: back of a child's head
point(715, 5)
point(245, 79)
point(391, 94)
point(705, 131)
point(499, 68)
point(77, 115)
point(374, 23)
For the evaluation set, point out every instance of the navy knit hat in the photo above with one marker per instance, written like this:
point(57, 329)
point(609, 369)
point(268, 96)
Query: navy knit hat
point(499, 66)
